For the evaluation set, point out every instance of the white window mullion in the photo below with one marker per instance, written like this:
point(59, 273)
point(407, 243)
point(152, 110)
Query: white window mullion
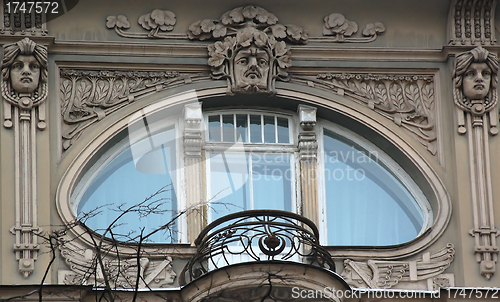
point(250, 179)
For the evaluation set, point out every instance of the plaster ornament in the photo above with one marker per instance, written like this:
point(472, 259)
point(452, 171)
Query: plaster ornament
point(122, 271)
point(475, 81)
point(470, 22)
point(24, 79)
point(407, 100)
point(158, 22)
point(341, 29)
point(250, 52)
point(24, 91)
point(88, 96)
point(411, 274)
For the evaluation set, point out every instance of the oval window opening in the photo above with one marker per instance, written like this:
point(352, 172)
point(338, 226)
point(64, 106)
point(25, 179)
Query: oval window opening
point(368, 203)
point(131, 191)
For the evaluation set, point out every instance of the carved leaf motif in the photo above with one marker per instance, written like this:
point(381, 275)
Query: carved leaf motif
point(219, 31)
point(296, 33)
point(428, 96)
point(119, 21)
point(373, 29)
point(381, 93)
point(260, 38)
point(249, 12)
point(83, 90)
point(195, 28)
point(284, 61)
point(146, 22)
point(413, 96)
point(216, 60)
point(279, 31)
point(101, 91)
point(396, 94)
point(236, 15)
point(334, 20)
point(66, 86)
point(367, 90)
point(207, 25)
point(280, 48)
point(244, 38)
point(165, 19)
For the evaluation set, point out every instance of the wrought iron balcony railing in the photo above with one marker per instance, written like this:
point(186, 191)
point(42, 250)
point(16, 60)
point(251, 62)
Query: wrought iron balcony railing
point(256, 235)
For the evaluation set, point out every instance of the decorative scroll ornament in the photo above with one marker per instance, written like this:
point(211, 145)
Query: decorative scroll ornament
point(341, 29)
point(470, 22)
point(475, 81)
point(251, 52)
point(408, 100)
point(121, 271)
point(158, 22)
point(24, 90)
point(88, 96)
point(414, 274)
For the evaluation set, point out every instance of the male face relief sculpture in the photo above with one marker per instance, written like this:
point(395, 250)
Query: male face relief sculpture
point(251, 68)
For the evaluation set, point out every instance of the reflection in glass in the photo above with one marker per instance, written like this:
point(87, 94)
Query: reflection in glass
point(283, 132)
point(255, 129)
point(127, 181)
point(269, 187)
point(228, 127)
point(214, 128)
point(366, 204)
point(242, 127)
point(269, 130)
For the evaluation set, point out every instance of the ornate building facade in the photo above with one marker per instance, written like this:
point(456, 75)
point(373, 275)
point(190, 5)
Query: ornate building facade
point(235, 151)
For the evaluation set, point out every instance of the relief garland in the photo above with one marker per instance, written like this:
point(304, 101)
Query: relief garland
point(87, 96)
point(407, 100)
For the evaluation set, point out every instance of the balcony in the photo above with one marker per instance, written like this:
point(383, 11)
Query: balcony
point(256, 236)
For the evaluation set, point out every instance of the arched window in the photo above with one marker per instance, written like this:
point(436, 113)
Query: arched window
point(130, 189)
point(368, 199)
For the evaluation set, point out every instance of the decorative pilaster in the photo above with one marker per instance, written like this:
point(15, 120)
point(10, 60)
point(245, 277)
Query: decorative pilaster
point(308, 149)
point(24, 90)
point(193, 141)
point(475, 94)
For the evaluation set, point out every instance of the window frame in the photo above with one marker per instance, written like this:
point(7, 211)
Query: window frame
point(250, 148)
point(389, 163)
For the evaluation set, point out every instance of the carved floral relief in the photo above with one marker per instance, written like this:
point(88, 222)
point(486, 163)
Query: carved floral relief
point(401, 274)
point(250, 52)
point(407, 100)
point(87, 96)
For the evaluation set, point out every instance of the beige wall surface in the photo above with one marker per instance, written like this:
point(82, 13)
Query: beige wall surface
point(414, 43)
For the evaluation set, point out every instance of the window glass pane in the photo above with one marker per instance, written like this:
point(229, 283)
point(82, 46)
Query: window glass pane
point(230, 190)
point(269, 130)
point(242, 127)
point(283, 132)
point(366, 204)
point(228, 127)
point(214, 128)
point(255, 129)
point(127, 181)
point(272, 177)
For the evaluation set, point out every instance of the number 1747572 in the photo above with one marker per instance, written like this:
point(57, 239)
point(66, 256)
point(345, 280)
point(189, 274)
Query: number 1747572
point(27, 7)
